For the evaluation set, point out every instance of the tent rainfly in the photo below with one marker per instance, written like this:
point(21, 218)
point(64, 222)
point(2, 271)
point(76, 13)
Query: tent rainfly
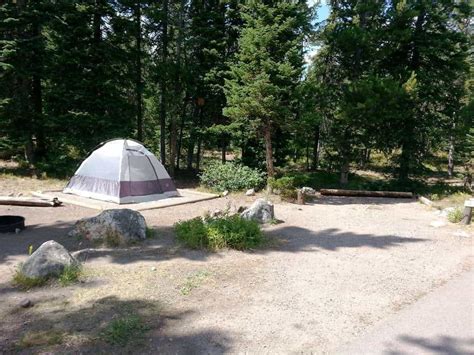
point(122, 171)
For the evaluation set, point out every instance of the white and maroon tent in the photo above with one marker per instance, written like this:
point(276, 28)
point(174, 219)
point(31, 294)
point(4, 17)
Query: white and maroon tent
point(122, 171)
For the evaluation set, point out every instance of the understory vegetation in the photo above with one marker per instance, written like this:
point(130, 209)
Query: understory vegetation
point(217, 233)
point(231, 176)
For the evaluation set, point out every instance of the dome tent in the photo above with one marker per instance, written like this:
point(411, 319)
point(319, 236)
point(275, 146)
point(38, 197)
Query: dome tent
point(121, 171)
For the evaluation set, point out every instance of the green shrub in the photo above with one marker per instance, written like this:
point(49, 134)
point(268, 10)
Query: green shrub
point(455, 216)
point(284, 186)
point(121, 331)
point(231, 176)
point(193, 233)
point(70, 274)
point(216, 233)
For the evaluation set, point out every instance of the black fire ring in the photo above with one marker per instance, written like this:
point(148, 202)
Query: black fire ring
point(11, 223)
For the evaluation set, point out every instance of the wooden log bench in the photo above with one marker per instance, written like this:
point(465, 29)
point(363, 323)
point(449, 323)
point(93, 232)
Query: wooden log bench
point(467, 215)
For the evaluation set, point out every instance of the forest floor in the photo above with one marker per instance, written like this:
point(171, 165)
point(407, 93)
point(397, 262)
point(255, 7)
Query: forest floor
point(329, 272)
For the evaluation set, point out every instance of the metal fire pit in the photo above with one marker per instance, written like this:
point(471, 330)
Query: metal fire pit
point(11, 223)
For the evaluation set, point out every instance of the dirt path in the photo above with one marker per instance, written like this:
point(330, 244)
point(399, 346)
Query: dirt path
point(330, 271)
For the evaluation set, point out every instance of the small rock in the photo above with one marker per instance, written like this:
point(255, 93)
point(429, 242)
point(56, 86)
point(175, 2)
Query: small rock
point(153, 268)
point(216, 213)
point(250, 192)
point(437, 224)
point(225, 193)
point(26, 303)
point(49, 259)
point(17, 230)
point(308, 190)
point(261, 211)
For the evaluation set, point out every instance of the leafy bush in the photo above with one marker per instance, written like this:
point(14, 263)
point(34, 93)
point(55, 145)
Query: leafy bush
point(455, 215)
point(217, 233)
point(231, 176)
point(284, 186)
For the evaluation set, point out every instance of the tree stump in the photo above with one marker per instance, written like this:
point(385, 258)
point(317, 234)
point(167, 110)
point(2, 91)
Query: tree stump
point(299, 197)
point(467, 215)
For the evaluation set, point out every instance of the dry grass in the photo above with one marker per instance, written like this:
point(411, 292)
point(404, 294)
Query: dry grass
point(40, 338)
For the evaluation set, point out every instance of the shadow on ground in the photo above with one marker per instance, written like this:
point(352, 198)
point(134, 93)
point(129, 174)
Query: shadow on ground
point(84, 330)
point(296, 239)
point(439, 345)
point(164, 247)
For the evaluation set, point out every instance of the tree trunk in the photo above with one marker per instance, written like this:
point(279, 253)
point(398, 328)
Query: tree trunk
point(138, 80)
point(344, 178)
point(180, 138)
point(199, 140)
point(269, 148)
point(178, 89)
point(404, 162)
point(224, 149)
point(164, 60)
point(191, 144)
point(316, 148)
point(451, 157)
point(192, 139)
point(37, 101)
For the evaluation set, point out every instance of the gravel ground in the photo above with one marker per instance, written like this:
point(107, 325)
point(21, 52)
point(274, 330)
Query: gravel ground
point(330, 271)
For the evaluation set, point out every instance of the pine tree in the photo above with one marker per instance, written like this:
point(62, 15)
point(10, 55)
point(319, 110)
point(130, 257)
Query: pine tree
point(267, 68)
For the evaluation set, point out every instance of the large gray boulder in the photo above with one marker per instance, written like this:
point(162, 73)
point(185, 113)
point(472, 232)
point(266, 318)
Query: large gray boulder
point(112, 227)
point(261, 211)
point(48, 260)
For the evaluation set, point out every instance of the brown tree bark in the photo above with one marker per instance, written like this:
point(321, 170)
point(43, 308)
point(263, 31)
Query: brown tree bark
point(315, 162)
point(139, 81)
point(164, 59)
point(269, 148)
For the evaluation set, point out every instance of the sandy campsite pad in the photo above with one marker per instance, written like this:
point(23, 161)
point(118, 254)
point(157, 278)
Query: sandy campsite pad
point(330, 271)
point(185, 196)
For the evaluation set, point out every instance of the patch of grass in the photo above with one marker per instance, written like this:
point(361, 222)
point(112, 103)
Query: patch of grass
point(124, 330)
point(216, 233)
point(150, 233)
point(25, 283)
point(455, 215)
point(193, 282)
point(70, 274)
point(40, 338)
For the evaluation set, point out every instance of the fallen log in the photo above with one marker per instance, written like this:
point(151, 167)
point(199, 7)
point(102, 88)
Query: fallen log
point(362, 193)
point(425, 201)
point(29, 201)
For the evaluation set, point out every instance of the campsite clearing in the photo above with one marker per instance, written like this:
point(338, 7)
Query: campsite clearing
point(330, 271)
